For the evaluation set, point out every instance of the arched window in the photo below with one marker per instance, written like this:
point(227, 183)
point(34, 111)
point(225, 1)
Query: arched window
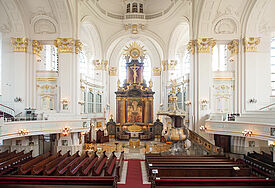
point(219, 58)
point(83, 62)
point(98, 103)
point(90, 102)
point(140, 8)
point(128, 8)
point(179, 100)
point(49, 58)
point(273, 66)
point(146, 71)
point(134, 8)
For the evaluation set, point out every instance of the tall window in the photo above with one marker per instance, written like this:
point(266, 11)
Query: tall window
point(219, 58)
point(90, 102)
point(98, 103)
point(49, 58)
point(83, 62)
point(0, 63)
point(273, 66)
point(128, 8)
point(141, 8)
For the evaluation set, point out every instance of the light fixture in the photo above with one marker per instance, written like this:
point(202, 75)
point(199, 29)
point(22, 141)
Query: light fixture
point(247, 132)
point(204, 101)
point(23, 132)
point(188, 103)
point(66, 130)
point(64, 101)
point(18, 99)
point(252, 100)
point(203, 128)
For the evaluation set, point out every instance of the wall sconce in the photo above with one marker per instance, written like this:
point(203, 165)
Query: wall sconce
point(18, 99)
point(203, 128)
point(23, 132)
point(247, 132)
point(188, 103)
point(66, 130)
point(204, 103)
point(64, 101)
point(81, 102)
point(252, 100)
point(272, 144)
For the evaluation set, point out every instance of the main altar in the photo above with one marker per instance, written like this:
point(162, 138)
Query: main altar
point(134, 99)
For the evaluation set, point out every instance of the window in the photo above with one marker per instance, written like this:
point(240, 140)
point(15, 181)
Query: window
point(90, 102)
point(134, 9)
point(219, 58)
point(273, 66)
point(49, 58)
point(98, 103)
point(141, 8)
point(85, 101)
point(128, 8)
point(0, 63)
point(179, 96)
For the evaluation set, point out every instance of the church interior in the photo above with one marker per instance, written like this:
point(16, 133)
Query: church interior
point(137, 93)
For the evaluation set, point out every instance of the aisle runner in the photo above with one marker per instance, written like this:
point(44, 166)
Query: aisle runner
point(134, 176)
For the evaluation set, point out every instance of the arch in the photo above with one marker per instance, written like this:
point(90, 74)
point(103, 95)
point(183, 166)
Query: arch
point(225, 27)
point(90, 36)
point(179, 38)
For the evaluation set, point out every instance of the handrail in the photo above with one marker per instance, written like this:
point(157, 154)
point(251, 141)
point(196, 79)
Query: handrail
point(267, 106)
point(7, 107)
point(7, 110)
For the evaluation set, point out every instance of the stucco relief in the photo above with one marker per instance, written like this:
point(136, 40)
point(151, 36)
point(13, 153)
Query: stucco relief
point(44, 26)
point(225, 26)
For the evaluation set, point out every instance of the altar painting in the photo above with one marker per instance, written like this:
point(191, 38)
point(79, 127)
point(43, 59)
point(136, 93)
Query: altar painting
point(134, 111)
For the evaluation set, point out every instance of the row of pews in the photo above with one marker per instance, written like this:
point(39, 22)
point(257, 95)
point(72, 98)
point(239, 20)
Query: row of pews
point(199, 171)
point(22, 168)
point(261, 163)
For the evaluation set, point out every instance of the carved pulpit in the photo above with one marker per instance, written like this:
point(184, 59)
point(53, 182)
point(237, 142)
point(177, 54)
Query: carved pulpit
point(134, 100)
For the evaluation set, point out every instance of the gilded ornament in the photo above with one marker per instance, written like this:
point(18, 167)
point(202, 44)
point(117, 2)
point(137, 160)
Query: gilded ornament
point(205, 45)
point(191, 46)
point(64, 45)
point(105, 62)
point(156, 71)
point(78, 46)
point(37, 47)
point(172, 64)
point(112, 71)
point(151, 84)
point(164, 65)
point(250, 44)
point(134, 50)
point(233, 47)
point(20, 44)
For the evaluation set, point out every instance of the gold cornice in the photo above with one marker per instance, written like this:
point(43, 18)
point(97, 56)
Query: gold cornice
point(156, 71)
point(191, 46)
point(233, 47)
point(37, 47)
point(78, 46)
point(64, 45)
point(20, 44)
point(250, 44)
point(205, 45)
point(112, 71)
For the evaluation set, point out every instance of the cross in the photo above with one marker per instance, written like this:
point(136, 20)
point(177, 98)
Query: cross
point(135, 68)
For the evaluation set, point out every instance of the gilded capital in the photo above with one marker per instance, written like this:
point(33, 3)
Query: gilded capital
point(105, 62)
point(112, 71)
point(172, 64)
point(164, 65)
point(37, 47)
point(250, 44)
point(64, 45)
point(233, 47)
point(191, 46)
point(205, 45)
point(156, 71)
point(78, 46)
point(20, 44)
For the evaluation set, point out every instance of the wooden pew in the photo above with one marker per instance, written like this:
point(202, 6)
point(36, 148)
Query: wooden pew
point(11, 155)
point(4, 153)
point(51, 167)
point(10, 164)
point(79, 163)
point(27, 167)
point(110, 165)
point(66, 164)
point(100, 164)
point(88, 165)
point(39, 167)
point(119, 166)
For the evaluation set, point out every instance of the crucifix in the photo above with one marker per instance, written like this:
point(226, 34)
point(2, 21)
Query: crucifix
point(135, 68)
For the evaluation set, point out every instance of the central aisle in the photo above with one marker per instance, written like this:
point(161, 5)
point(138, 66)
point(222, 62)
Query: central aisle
point(134, 175)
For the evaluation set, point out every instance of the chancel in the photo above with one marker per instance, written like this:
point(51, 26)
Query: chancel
point(137, 93)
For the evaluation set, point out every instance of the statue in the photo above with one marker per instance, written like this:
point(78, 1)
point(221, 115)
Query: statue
point(150, 84)
point(118, 84)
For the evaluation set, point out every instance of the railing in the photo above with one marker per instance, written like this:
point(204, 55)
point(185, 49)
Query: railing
point(7, 110)
point(204, 144)
point(268, 106)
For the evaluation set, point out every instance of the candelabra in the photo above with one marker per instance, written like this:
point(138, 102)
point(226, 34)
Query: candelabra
point(247, 132)
point(66, 130)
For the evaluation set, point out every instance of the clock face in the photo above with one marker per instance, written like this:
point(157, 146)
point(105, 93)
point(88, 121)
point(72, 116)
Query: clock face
point(135, 53)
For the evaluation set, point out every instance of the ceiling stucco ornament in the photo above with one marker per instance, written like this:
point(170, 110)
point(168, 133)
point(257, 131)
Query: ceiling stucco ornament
point(5, 28)
point(64, 45)
point(205, 45)
point(250, 44)
point(225, 26)
point(44, 24)
point(78, 46)
point(233, 47)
